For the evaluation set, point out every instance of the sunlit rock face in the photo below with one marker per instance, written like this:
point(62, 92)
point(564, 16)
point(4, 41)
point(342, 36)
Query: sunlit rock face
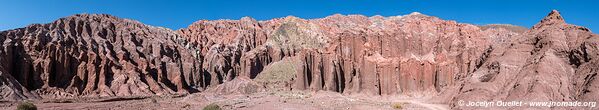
point(553, 61)
point(413, 54)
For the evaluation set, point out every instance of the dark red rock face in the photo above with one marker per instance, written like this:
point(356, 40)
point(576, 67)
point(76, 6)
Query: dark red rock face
point(95, 55)
point(415, 54)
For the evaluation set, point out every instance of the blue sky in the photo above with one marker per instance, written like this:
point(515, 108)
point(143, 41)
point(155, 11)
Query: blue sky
point(177, 14)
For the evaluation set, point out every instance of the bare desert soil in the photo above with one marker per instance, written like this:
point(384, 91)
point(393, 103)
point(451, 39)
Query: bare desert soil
point(286, 100)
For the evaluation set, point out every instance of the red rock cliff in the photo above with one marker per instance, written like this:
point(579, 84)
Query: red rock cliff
point(415, 54)
point(94, 55)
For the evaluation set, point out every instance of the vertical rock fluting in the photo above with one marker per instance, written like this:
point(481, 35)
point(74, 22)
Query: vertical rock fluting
point(227, 49)
point(96, 55)
point(413, 54)
point(348, 54)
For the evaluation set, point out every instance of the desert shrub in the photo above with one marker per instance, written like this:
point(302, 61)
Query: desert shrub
point(26, 106)
point(186, 106)
point(397, 105)
point(212, 107)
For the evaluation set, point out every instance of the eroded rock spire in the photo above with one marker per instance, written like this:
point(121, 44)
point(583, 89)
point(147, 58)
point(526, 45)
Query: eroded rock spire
point(554, 17)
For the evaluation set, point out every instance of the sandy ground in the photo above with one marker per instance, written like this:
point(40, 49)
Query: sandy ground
point(287, 100)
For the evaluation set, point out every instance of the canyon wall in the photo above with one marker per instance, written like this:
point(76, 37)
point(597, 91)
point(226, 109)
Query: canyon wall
point(93, 55)
point(411, 54)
